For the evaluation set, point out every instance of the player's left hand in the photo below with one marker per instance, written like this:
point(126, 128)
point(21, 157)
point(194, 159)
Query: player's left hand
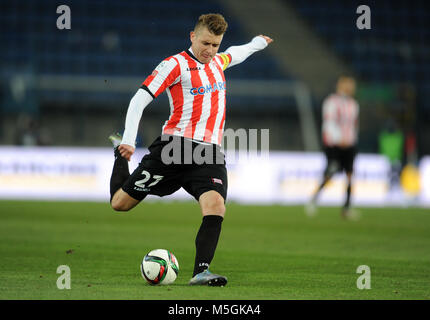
point(268, 39)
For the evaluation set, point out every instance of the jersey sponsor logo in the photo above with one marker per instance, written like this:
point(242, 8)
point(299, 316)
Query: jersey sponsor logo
point(216, 86)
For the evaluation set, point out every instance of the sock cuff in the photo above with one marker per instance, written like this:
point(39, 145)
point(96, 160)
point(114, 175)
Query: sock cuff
point(213, 219)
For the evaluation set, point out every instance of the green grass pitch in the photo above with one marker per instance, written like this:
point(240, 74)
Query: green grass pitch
point(267, 252)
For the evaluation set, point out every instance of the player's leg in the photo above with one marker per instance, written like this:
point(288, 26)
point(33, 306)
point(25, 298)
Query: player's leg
point(347, 164)
point(208, 184)
point(150, 177)
point(213, 209)
point(348, 190)
point(212, 203)
point(328, 174)
point(120, 201)
point(331, 155)
point(329, 171)
point(346, 210)
point(311, 206)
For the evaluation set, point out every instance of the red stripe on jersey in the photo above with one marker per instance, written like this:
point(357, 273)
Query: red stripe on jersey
point(214, 106)
point(196, 82)
point(173, 75)
point(178, 104)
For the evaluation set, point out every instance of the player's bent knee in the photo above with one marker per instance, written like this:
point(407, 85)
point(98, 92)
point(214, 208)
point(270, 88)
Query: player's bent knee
point(118, 206)
point(214, 205)
point(123, 202)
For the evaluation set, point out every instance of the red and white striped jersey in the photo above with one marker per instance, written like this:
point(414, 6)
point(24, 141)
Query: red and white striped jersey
point(340, 121)
point(196, 95)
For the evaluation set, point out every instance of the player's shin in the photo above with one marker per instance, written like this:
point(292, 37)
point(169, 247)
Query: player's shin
point(348, 196)
point(206, 242)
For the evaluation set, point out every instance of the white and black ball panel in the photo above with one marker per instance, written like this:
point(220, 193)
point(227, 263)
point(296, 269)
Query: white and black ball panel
point(159, 266)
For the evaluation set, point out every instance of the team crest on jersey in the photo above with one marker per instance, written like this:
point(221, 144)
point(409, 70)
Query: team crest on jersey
point(161, 65)
point(158, 68)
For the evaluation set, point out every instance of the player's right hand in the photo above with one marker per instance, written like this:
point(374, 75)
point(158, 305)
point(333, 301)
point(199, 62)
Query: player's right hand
point(126, 151)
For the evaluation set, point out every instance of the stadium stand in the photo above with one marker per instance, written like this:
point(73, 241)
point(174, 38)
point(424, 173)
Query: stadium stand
point(395, 51)
point(124, 38)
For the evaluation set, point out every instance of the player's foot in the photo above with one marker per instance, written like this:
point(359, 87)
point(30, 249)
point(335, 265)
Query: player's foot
point(116, 139)
point(350, 214)
point(208, 278)
point(311, 209)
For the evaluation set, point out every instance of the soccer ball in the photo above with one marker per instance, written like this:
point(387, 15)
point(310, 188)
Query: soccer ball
point(159, 266)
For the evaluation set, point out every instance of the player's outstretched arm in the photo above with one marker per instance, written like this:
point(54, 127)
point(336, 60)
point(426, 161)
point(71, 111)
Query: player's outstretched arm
point(268, 39)
point(134, 112)
point(241, 53)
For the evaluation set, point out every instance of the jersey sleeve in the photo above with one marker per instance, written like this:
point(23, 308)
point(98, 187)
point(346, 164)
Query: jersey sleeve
point(163, 76)
point(327, 110)
point(224, 60)
point(238, 54)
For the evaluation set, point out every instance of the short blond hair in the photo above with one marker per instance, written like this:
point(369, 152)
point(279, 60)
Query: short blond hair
point(214, 22)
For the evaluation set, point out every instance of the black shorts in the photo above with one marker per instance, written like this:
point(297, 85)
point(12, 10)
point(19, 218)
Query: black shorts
point(164, 171)
point(339, 159)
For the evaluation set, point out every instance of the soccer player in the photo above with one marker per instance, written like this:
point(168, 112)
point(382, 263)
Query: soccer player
point(339, 136)
point(196, 88)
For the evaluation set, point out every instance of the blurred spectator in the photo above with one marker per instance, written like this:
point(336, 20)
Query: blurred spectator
point(391, 141)
point(111, 41)
point(29, 133)
point(411, 147)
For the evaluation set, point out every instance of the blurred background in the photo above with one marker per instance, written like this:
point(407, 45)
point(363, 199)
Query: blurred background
point(71, 88)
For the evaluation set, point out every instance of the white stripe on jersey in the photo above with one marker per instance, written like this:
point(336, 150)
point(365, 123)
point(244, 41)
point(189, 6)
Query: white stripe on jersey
point(199, 133)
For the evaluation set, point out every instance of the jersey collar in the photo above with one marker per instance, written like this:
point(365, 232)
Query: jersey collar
point(190, 53)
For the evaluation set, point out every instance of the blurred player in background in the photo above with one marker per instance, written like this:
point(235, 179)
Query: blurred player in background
point(195, 84)
point(340, 113)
